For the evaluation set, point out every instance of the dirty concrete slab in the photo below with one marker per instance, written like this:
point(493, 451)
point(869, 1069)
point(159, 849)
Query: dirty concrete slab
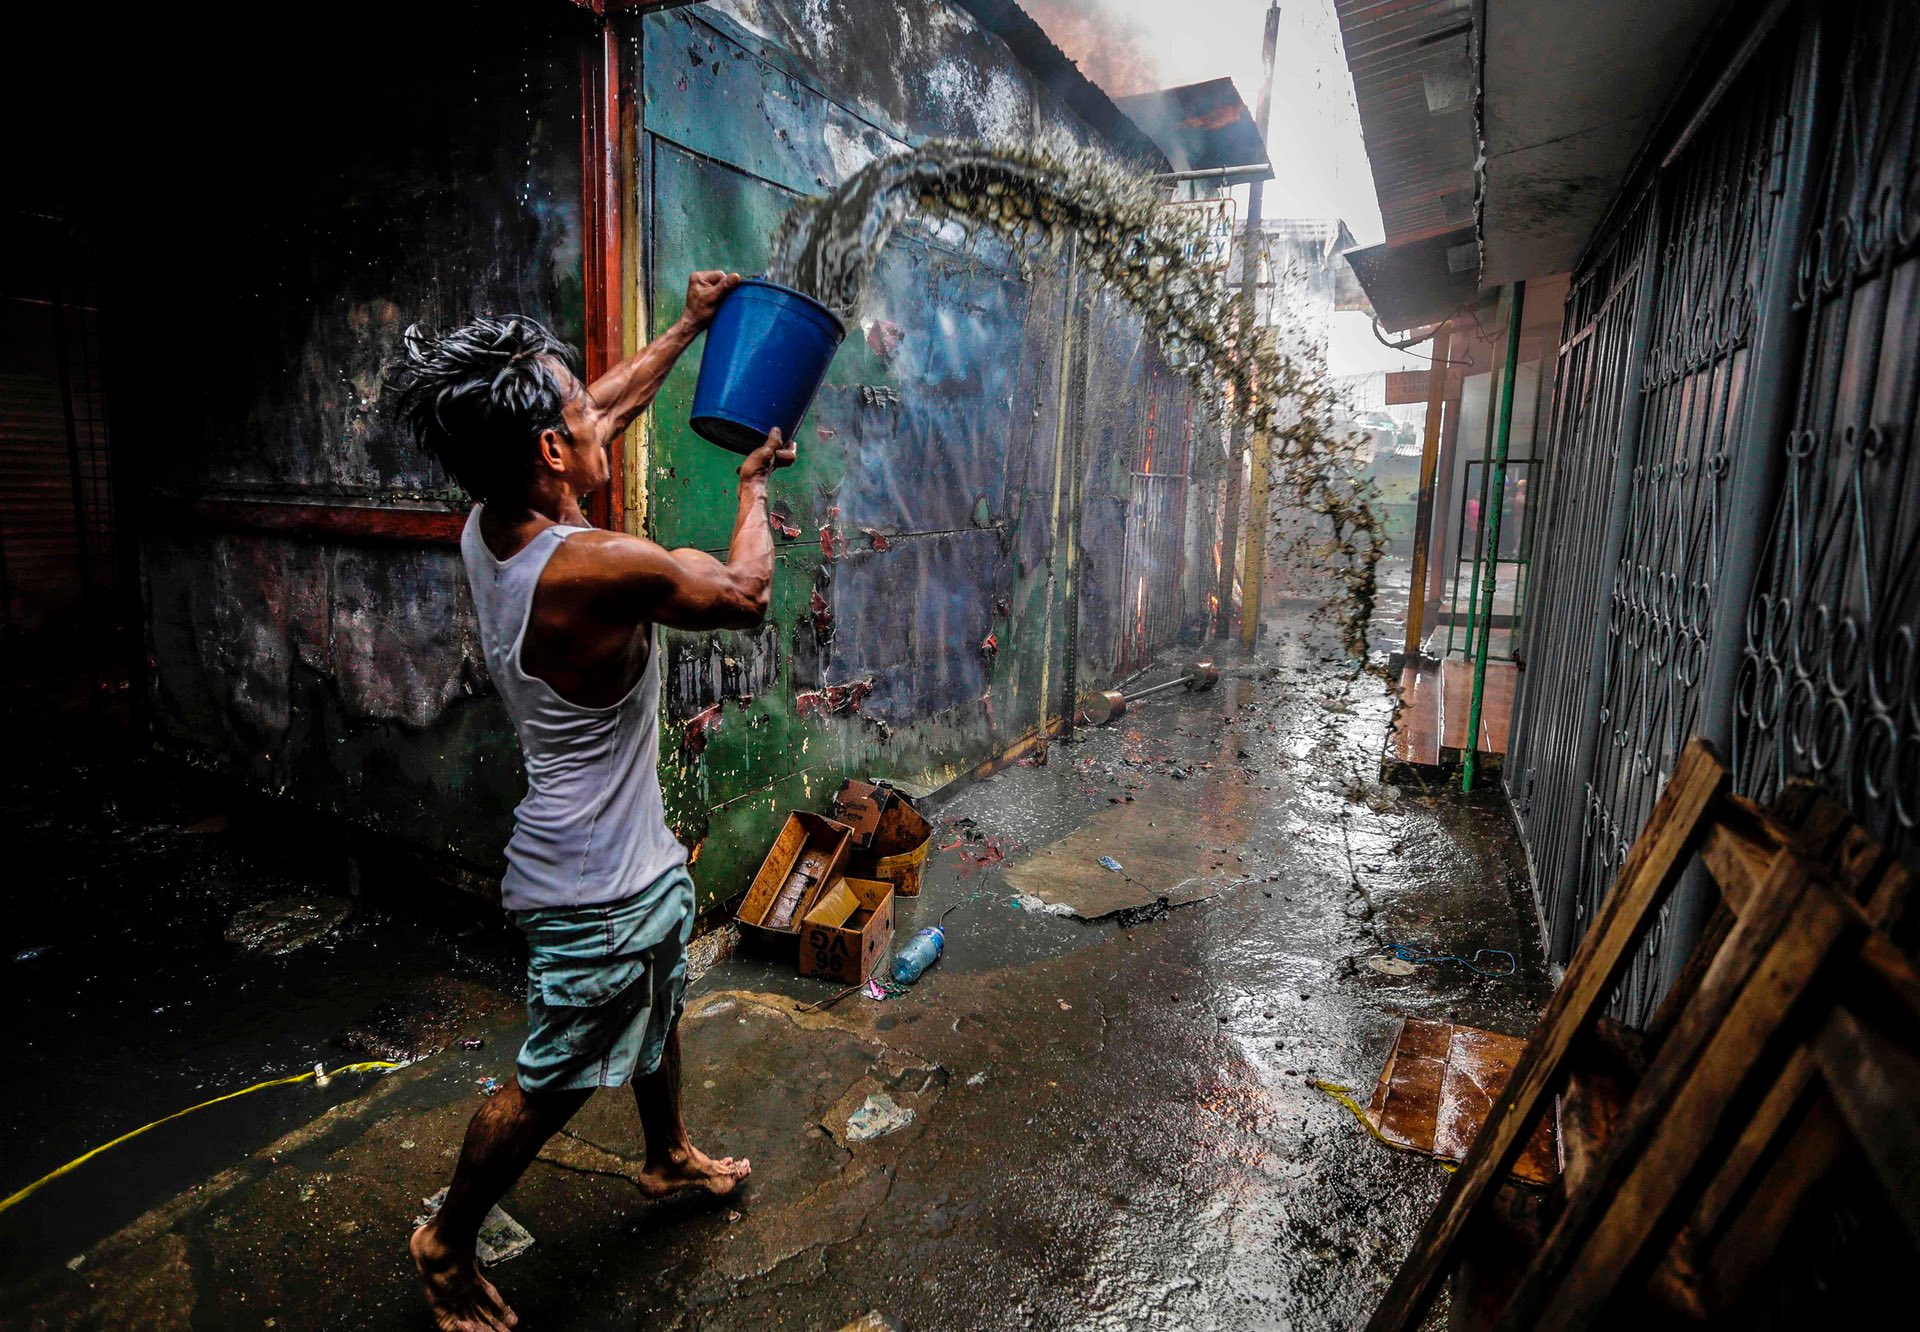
point(1122, 857)
point(1112, 1126)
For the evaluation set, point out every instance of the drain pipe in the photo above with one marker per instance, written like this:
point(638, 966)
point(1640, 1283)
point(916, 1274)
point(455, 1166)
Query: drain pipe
point(1490, 515)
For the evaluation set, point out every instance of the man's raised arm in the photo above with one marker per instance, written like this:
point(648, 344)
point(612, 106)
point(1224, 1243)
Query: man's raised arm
point(628, 388)
point(690, 589)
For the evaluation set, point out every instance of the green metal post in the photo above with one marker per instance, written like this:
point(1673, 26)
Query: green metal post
point(1490, 519)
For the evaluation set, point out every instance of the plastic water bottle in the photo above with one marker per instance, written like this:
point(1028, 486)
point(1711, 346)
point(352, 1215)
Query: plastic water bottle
point(921, 952)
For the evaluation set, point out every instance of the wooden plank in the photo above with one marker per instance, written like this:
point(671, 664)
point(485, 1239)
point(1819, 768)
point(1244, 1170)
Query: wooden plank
point(1496, 710)
point(1593, 1104)
point(1888, 980)
point(1767, 965)
point(1862, 871)
point(1783, 1102)
point(327, 522)
point(1888, 902)
point(1408, 1094)
point(1687, 983)
point(1415, 738)
point(1738, 850)
point(1800, 1157)
point(1876, 1085)
point(1671, 834)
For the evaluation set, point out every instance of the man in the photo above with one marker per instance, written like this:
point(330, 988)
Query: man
point(594, 878)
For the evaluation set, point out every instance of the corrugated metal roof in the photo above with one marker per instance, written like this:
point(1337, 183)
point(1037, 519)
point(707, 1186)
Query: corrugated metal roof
point(1201, 126)
point(1413, 80)
point(1030, 44)
point(1413, 283)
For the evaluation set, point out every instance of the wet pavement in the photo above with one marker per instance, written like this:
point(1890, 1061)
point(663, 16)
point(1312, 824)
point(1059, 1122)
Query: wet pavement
point(1110, 1125)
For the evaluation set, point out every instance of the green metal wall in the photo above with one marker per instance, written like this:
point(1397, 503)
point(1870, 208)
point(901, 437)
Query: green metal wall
point(928, 510)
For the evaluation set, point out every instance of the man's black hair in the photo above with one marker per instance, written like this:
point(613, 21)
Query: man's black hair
point(478, 397)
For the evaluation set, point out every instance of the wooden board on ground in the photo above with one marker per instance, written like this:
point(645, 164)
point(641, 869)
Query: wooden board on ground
point(1790, 1038)
point(1438, 1087)
point(1154, 863)
point(1666, 843)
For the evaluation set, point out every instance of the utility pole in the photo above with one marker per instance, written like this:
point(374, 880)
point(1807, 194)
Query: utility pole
point(1249, 289)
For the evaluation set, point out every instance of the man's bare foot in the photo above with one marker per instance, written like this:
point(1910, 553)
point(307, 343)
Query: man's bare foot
point(690, 1169)
point(458, 1297)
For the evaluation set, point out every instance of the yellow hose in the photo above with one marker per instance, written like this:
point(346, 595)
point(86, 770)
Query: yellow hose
point(79, 1161)
point(1341, 1094)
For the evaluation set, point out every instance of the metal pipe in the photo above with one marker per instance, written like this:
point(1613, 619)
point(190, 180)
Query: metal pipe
point(1776, 375)
point(1486, 477)
point(1749, 47)
point(1443, 487)
point(1210, 173)
point(1057, 574)
point(1081, 370)
point(1516, 310)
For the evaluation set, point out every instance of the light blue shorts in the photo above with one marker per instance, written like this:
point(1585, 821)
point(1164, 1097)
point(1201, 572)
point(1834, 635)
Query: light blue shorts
point(605, 986)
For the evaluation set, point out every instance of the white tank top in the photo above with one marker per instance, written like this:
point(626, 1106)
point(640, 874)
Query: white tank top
point(591, 828)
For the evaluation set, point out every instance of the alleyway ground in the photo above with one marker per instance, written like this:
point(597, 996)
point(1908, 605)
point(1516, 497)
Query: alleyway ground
point(1112, 1127)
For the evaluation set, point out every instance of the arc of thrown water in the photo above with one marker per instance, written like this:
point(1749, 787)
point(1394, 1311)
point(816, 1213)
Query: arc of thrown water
point(1148, 252)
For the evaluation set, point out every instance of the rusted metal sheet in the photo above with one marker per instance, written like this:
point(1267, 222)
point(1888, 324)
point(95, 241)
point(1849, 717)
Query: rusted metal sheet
point(1413, 80)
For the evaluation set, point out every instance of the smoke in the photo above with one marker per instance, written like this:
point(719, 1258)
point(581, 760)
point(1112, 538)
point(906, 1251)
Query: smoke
point(1111, 48)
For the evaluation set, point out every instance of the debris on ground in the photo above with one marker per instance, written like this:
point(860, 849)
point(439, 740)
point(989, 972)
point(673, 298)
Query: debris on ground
point(1028, 902)
point(430, 1014)
point(878, 1116)
point(921, 952)
point(277, 927)
point(487, 1086)
point(1140, 915)
point(501, 1237)
point(1482, 963)
point(1080, 871)
point(710, 948)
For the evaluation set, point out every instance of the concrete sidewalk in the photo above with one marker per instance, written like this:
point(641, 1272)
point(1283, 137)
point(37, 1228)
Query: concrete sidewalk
point(1111, 1126)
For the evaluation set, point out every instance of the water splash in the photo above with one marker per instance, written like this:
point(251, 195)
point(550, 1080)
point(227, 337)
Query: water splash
point(1118, 225)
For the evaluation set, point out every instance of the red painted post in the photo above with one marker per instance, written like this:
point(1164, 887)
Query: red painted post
point(600, 208)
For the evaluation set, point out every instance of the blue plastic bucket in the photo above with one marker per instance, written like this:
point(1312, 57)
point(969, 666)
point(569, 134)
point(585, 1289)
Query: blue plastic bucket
point(767, 350)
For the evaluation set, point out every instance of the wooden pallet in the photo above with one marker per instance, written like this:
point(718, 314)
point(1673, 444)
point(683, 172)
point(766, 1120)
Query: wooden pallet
point(1687, 1146)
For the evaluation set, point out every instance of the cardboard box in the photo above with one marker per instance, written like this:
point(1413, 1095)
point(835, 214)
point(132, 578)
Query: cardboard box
point(848, 932)
point(805, 836)
point(890, 835)
point(885, 821)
